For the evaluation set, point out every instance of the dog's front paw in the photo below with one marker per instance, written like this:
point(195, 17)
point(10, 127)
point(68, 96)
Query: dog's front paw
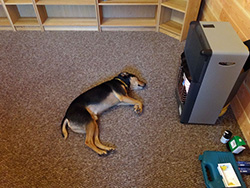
point(138, 108)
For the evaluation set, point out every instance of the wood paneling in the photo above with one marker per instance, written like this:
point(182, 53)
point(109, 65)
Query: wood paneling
point(242, 118)
point(237, 12)
point(247, 81)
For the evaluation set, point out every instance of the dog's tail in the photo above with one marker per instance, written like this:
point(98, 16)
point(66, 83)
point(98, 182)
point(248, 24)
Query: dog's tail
point(64, 125)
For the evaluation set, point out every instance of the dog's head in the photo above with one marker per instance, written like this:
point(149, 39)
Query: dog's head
point(131, 80)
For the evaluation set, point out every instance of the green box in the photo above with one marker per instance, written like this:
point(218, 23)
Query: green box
point(236, 144)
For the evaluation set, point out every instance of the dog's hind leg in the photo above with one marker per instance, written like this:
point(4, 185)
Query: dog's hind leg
point(89, 141)
point(97, 140)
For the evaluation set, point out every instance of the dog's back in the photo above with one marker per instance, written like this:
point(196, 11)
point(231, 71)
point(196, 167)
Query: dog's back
point(95, 100)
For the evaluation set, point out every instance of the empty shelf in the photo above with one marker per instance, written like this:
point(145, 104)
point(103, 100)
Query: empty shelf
point(179, 5)
point(66, 2)
point(70, 22)
point(128, 22)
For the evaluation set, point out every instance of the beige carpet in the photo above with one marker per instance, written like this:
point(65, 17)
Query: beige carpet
point(42, 72)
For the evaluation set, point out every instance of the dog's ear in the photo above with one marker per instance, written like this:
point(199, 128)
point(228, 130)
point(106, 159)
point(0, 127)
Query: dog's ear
point(124, 74)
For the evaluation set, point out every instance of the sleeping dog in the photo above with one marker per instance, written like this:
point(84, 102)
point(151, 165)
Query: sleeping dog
point(82, 114)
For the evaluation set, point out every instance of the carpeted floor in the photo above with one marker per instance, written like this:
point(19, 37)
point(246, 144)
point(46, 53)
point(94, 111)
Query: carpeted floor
point(42, 72)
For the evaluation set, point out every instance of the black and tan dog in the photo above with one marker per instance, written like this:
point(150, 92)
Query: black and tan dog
point(82, 114)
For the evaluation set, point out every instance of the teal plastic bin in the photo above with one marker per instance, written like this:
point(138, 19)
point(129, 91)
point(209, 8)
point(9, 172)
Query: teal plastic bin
point(209, 162)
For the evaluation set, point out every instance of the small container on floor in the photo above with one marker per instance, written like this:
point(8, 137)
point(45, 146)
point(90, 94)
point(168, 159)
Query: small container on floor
point(226, 136)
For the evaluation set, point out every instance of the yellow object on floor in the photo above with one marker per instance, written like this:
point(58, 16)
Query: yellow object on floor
point(223, 111)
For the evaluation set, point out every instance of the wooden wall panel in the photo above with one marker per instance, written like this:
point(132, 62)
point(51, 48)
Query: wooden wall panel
point(244, 4)
point(237, 12)
point(215, 9)
point(244, 95)
point(247, 81)
point(207, 14)
point(242, 118)
point(238, 16)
